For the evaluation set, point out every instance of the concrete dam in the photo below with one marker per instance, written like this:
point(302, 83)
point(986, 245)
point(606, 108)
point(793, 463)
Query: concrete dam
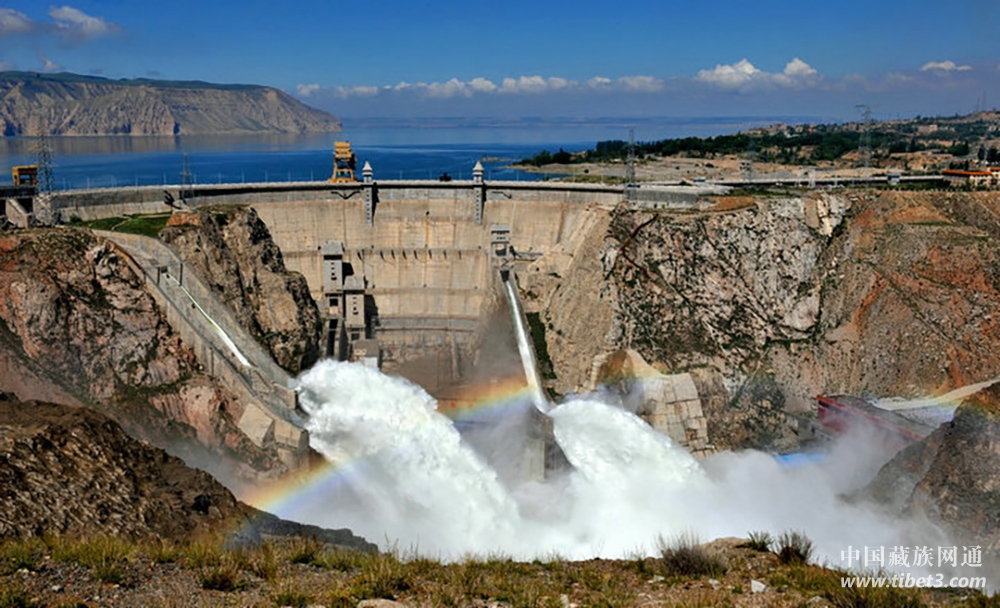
point(409, 264)
point(406, 273)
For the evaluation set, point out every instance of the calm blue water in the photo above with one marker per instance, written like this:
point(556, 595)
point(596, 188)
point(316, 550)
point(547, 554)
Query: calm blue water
point(396, 150)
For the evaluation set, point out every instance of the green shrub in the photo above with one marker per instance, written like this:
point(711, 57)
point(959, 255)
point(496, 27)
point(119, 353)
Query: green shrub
point(15, 598)
point(223, 577)
point(288, 597)
point(759, 540)
point(794, 548)
point(306, 551)
point(382, 576)
point(685, 556)
point(17, 554)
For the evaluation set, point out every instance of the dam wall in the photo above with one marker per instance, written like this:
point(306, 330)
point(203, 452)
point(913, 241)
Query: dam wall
point(424, 258)
point(420, 251)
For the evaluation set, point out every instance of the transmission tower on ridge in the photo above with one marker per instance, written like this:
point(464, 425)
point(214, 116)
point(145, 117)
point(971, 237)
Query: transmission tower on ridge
point(46, 182)
point(865, 141)
point(630, 167)
point(185, 178)
point(746, 166)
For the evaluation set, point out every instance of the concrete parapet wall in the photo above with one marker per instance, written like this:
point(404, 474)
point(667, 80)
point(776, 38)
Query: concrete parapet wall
point(17, 214)
point(109, 202)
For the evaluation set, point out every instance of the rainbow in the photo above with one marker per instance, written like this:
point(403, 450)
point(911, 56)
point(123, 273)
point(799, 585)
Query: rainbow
point(295, 494)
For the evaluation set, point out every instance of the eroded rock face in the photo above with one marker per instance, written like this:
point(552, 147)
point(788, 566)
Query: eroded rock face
point(75, 320)
point(66, 470)
point(878, 293)
point(71, 470)
point(952, 476)
point(717, 286)
point(232, 251)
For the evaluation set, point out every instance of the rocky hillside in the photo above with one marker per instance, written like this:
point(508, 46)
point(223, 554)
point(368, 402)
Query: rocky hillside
point(771, 300)
point(77, 327)
point(86, 105)
point(231, 250)
point(950, 477)
point(72, 471)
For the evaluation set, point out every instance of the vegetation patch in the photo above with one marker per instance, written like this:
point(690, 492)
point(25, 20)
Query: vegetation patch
point(684, 556)
point(145, 225)
point(537, 329)
point(794, 548)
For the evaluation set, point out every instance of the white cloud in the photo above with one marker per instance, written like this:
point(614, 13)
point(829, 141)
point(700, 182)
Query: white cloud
point(798, 68)
point(73, 23)
point(646, 84)
point(14, 22)
point(48, 65)
point(355, 91)
point(305, 90)
point(7, 65)
point(745, 75)
point(556, 83)
point(482, 85)
point(944, 67)
point(447, 90)
point(729, 76)
point(524, 84)
point(797, 73)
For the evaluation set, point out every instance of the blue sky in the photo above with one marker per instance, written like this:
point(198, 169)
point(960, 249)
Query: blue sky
point(542, 58)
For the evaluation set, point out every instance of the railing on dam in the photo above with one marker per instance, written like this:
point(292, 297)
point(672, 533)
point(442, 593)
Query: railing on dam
point(98, 203)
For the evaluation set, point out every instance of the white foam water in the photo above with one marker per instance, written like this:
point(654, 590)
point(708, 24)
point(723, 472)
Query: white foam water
point(524, 349)
point(412, 481)
point(409, 481)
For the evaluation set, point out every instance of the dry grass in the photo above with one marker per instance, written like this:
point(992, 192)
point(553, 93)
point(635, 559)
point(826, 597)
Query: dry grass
point(304, 572)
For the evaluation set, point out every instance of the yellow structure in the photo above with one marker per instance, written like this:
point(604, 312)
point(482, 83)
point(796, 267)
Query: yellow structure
point(343, 163)
point(25, 175)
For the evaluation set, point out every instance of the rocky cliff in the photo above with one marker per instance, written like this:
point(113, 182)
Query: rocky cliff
point(771, 300)
point(231, 250)
point(951, 477)
point(86, 105)
point(67, 470)
point(77, 327)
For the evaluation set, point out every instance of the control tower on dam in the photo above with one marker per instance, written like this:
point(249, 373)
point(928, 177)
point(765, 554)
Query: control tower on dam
point(410, 265)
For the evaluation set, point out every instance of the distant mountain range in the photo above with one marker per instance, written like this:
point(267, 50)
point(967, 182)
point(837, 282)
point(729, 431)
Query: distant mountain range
point(73, 104)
